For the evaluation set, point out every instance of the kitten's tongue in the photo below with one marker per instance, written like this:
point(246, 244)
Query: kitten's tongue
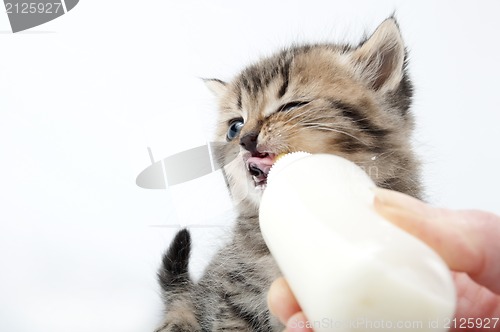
point(259, 167)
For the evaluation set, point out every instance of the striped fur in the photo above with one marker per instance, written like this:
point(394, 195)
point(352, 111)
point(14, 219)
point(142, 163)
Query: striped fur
point(351, 101)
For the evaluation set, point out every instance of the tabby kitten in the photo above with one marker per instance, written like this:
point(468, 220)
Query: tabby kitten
point(324, 98)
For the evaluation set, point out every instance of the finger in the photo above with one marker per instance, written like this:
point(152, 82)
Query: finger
point(474, 300)
point(484, 231)
point(281, 301)
point(298, 323)
point(468, 241)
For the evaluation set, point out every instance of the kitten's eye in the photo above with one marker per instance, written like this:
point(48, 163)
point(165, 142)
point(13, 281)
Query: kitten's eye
point(291, 106)
point(234, 129)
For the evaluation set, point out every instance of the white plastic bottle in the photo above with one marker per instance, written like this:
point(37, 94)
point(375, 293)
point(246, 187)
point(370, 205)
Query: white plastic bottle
point(350, 269)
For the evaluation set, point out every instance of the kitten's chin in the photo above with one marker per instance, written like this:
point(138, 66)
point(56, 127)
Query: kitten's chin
point(248, 179)
point(251, 202)
point(259, 186)
point(256, 190)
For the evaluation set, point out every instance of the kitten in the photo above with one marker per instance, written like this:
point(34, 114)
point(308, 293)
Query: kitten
point(324, 98)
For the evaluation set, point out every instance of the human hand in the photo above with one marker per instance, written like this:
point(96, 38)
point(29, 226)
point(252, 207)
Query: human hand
point(468, 241)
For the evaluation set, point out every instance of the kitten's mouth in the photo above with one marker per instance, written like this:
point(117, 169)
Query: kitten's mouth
point(258, 167)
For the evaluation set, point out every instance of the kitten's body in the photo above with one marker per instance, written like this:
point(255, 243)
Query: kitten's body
point(349, 101)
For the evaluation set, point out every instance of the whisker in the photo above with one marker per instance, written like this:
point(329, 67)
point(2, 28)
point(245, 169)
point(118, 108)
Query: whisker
point(321, 126)
point(303, 111)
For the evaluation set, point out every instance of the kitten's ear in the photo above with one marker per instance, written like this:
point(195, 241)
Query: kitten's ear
point(381, 57)
point(217, 86)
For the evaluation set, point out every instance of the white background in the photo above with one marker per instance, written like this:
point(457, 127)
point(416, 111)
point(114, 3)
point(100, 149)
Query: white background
point(83, 96)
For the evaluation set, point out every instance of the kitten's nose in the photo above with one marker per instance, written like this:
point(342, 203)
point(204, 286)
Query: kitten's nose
point(249, 142)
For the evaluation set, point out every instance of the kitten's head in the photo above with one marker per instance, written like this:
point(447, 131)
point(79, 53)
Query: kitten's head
point(325, 98)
